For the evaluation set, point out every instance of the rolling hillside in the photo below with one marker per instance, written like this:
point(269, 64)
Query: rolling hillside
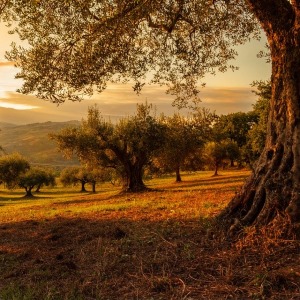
point(32, 142)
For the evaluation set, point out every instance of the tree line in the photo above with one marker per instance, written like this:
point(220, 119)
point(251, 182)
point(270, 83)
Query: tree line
point(163, 143)
point(148, 143)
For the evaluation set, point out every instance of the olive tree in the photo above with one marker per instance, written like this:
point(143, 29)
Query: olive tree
point(184, 137)
point(217, 152)
point(35, 177)
point(235, 127)
point(76, 47)
point(97, 175)
point(12, 166)
point(75, 176)
point(126, 146)
point(84, 175)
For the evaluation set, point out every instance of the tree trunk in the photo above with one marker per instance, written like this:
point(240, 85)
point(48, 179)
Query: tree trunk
point(216, 168)
point(38, 188)
point(274, 186)
point(28, 192)
point(178, 176)
point(83, 186)
point(134, 178)
point(94, 186)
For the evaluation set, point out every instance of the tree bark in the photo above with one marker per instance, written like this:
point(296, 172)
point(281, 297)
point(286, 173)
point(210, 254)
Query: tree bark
point(216, 168)
point(38, 188)
point(83, 186)
point(274, 186)
point(134, 178)
point(94, 186)
point(178, 176)
point(28, 192)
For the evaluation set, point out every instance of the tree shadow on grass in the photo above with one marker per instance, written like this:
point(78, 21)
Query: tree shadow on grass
point(19, 197)
point(117, 258)
point(221, 179)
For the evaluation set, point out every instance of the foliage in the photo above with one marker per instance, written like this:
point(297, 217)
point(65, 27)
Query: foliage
point(76, 47)
point(35, 177)
point(73, 176)
point(235, 126)
point(11, 167)
point(216, 152)
point(257, 134)
point(185, 136)
point(83, 175)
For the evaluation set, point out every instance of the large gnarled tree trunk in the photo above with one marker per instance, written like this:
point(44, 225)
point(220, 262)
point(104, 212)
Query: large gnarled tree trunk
point(274, 186)
point(133, 181)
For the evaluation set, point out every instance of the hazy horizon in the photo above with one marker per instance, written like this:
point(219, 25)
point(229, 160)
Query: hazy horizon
point(220, 100)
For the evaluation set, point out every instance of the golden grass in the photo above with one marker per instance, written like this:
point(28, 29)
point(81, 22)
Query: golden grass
point(199, 195)
point(153, 245)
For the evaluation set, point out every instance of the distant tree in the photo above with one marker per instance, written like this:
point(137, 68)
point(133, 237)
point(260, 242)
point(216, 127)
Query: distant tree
point(216, 152)
point(219, 146)
point(35, 177)
point(235, 126)
point(97, 175)
point(185, 135)
point(84, 175)
point(12, 166)
point(75, 176)
point(256, 137)
point(126, 146)
point(47, 178)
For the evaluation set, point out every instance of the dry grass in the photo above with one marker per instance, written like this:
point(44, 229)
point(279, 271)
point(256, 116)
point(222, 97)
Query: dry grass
point(153, 245)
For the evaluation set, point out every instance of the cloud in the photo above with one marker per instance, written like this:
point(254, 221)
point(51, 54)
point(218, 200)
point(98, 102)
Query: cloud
point(228, 99)
point(121, 101)
point(16, 106)
point(7, 64)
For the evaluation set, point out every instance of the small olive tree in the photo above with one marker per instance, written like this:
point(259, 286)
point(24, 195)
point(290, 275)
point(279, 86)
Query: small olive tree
point(74, 176)
point(85, 175)
point(217, 152)
point(35, 177)
point(185, 136)
point(12, 166)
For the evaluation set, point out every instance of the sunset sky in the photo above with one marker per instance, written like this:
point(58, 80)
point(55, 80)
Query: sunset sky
point(224, 93)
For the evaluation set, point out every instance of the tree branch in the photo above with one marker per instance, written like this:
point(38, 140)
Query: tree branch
point(167, 27)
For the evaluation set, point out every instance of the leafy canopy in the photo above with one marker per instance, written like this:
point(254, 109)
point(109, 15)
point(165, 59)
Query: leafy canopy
point(75, 47)
point(12, 166)
point(35, 177)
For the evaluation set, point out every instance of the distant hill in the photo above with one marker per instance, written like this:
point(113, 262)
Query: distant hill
point(33, 143)
point(4, 125)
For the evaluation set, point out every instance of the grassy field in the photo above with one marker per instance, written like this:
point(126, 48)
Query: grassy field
point(160, 244)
